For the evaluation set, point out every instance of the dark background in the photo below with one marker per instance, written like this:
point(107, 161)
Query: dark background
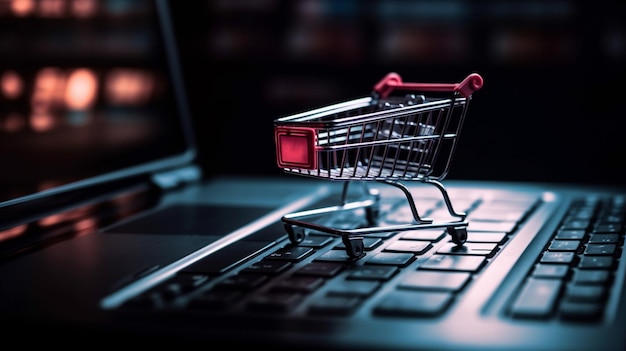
point(550, 108)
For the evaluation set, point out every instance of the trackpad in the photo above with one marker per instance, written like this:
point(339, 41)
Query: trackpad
point(213, 220)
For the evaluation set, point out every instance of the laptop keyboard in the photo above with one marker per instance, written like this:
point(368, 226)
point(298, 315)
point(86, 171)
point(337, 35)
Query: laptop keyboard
point(415, 274)
point(572, 277)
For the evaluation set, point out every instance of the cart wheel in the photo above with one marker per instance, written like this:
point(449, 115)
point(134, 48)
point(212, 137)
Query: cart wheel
point(296, 234)
point(354, 246)
point(458, 234)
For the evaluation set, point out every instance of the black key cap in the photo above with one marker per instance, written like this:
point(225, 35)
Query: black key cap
point(594, 262)
point(267, 267)
point(564, 245)
point(600, 249)
point(414, 303)
point(356, 288)
point(278, 303)
point(392, 258)
point(316, 241)
point(454, 263)
point(479, 249)
point(413, 246)
point(591, 276)
point(585, 293)
point(334, 305)
point(215, 299)
point(373, 272)
point(292, 254)
point(537, 298)
point(424, 234)
point(320, 269)
point(581, 311)
point(557, 257)
point(432, 280)
point(547, 270)
point(603, 239)
point(242, 282)
point(299, 284)
point(570, 234)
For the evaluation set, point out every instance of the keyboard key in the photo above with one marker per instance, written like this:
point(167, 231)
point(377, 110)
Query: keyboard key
point(215, 299)
point(591, 277)
point(579, 311)
point(355, 288)
point(320, 269)
point(242, 282)
point(392, 258)
point(478, 226)
point(592, 262)
point(298, 284)
point(564, 245)
point(600, 249)
point(412, 246)
point(413, 303)
point(547, 270)
point(480, 249)
point(431, 280)
point(603, 238)
point(432, 235)
point(372, 272)
point(557, 257)
point(291, 253)
point(316, 241)
point(272, 302)
point(537, 298)
point(334, 305)
point(570, 234)
point(267, 267)
point(487, 237)
point(585, 293)
point(454, 263)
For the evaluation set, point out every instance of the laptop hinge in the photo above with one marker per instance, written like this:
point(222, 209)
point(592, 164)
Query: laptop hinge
point(174, 178)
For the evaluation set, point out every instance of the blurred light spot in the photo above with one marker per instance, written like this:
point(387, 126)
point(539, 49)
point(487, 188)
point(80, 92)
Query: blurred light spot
point(84, 8)
point(81, 89)
point(22, 8)
point(128, 86)
point(41, 122)
point(14, 123)
point(49, 89)
point(11, 84)
point(52, 8)
point(13, 232)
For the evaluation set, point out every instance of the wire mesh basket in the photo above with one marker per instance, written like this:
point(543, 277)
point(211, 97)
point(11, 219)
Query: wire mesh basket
point(397, 134)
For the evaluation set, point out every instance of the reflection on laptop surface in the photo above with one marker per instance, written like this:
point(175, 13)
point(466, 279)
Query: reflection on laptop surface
point(112, 227)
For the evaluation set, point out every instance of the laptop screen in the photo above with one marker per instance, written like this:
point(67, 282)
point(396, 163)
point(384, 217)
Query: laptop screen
point(85, 91)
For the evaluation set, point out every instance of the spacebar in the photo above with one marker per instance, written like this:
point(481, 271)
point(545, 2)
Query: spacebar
point(228, 257)
point(537, 298)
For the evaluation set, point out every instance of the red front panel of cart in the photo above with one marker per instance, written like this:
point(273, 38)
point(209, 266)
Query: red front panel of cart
point(296, 147)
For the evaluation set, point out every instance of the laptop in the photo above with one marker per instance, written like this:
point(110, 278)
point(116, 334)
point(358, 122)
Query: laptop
point(112, 233)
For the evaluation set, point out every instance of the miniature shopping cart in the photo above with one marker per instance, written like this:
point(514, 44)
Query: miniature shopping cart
point(396, 134)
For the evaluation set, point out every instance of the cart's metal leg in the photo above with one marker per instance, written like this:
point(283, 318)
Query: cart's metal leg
point(372, 211)
point(446, 198)
point(354, 246)
point(296, 234)
point(458, 234)
point(409, 197)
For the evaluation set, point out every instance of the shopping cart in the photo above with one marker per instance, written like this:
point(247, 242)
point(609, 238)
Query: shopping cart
point(396, 134)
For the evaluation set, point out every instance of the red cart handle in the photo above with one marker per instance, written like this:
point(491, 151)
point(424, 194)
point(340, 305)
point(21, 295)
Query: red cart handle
point(393, 81)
